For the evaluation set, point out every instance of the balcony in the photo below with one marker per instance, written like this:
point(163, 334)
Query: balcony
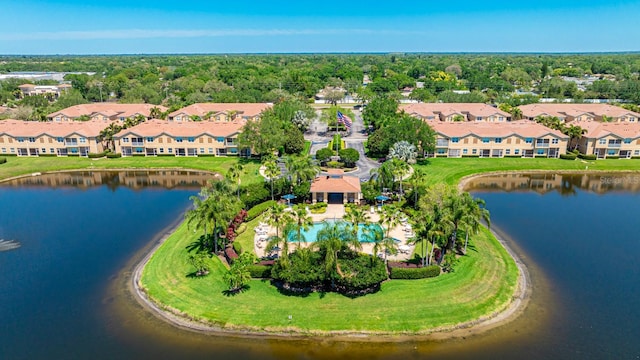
point(616, 145)
point(71, 143)
point(137, 143)
point(542, 145)
point(442, 143)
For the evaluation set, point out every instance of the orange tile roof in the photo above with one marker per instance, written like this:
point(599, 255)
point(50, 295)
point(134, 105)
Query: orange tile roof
point(522, 128)
point(122, 110)
point(20, 128)
point(625, 130)
point(333, 183)
point(188, 128)
point(476, 109)
point(202, 109)
point(563, 110)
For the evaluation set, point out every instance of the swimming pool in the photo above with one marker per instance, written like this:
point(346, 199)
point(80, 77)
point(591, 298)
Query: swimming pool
point(312, 234)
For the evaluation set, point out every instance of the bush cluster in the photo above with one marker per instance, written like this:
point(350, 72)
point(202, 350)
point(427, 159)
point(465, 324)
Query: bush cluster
point(3, 160)
point(113, 156)
point(318, 208)
point(237, 247)
point(415, 273)
point(568, 156)
point(260, 271)
point(97, 155)
point(257, 210)
point(588, 157)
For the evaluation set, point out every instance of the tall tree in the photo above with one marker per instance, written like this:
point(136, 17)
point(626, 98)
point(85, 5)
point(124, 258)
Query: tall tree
point(272, 171)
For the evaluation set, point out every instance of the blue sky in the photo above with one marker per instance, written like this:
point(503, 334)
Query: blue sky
point(190, 26)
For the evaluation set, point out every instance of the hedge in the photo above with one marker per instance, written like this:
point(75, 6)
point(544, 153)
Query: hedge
point(114, 156)
point(97, 155)
point(415, 273)
point(237, 247)
point(588, 157)
point(257, 210)
point(3, 160)
point(259, 271)
point(241, 228)
point(568, 156)
point(613, 157)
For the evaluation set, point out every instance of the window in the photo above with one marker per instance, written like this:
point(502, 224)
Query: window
point(4, 150)
point(528, 140)
point(439, 151)
point(220, 139)
point(507, 152)
point(125, 140)
point(178, 139)
point(603, 141)
point(218, 118)
point(13, 150)
point(455, 140)
point(465, 151)
point(635, 152)
point(52, 150)
point(57, 118)
point(20, 139)
point(44, 151)
point(474, 151)
point(498, 140)
point(554, 141)
point(201, 150)
point(516, 151)
point(500, 118)
point(632, 119)
point(32, 139)
point(479, 118)
point(540, 151)
point(485, 140)
point(190, 139)
point(83, 140)
point(627, 141)
point(150, 139)
point(121, 118)
point(611, 152)
point(431, 117)
point(161, 150)
point(60, 140)
point(210, 150)
point(170, 150)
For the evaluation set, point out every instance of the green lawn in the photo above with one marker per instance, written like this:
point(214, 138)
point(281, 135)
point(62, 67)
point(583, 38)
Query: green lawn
point(450, 171)
point(26, 165)
point(484, 282)
point(307, 147)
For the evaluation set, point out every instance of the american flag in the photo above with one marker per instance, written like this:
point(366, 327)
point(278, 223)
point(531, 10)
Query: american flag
point(343, 119)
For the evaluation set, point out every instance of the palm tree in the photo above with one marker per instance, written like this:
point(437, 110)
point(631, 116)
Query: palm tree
point(155, 113)
point(390, 217)
point(476, 213)
point(442, 227)
point(200, 215)
point(271, 171)
point(456, 212)
point(331, 238)
point(516, 113)
point(301, 168)
point(417, 180)
point(422, 229)
point(234, 173)
point(574, 132)
point(400, 169)
point(355, 217)
point(403, 150)
point(301, 221)
point(221, 207)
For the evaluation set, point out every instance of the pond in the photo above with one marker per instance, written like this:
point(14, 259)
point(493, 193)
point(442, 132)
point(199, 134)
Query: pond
point(64, 292)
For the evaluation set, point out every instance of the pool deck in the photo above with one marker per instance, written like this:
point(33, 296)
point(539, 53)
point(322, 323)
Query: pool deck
point(337, 212)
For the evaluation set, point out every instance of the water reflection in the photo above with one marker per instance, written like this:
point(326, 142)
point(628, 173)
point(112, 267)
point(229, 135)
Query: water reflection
point(564, 183)
point(138, 179)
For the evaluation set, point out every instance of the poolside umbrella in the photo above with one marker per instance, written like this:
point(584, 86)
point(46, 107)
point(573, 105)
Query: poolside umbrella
point(289, 197)
point(382, 198)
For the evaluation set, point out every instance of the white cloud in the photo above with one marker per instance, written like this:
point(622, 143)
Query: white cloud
point(145, 34)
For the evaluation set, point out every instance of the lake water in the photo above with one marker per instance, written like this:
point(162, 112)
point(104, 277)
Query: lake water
point(63, 293)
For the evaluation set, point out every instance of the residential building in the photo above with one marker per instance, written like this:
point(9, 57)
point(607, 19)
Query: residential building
point(449, 112)
point(510, 139)
point(52, 90)
point(106, 112)
point(336, 188)
point(579, 112)
point(606, 140)
point(34, 138)
point(224, 112)
point(191, 138)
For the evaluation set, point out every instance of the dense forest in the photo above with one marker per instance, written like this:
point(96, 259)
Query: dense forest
point(179, 80)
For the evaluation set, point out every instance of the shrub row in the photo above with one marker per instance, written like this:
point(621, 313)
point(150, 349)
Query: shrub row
point(613, 157)
point(257, 210)
point(415, 273)
point(588, 157)
point(568, 156)
point(113, 156)
point(97, 155)
point(237, 247)
point(259, 271)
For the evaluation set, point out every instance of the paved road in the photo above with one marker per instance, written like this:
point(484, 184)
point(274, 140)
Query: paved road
point(354, 140)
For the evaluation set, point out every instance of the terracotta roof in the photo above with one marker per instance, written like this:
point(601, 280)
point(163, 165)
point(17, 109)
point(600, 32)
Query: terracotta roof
point(335, 183)
point(122, 110)
point(20, 128)
point(625, 130)
point(189, 128)
point(202, 109)
point(522, 128)
point(26, 86)
point(476, 109)
point(563, 110)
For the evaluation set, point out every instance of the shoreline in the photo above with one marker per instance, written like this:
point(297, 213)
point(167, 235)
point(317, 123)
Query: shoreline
point(513, 309)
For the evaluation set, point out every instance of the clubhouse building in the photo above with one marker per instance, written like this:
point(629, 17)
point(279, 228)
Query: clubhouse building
point(336, 188)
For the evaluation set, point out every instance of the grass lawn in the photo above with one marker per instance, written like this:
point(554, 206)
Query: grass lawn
point(450, 171)
point(26, 165)
point(484, 282)
point(307, 147)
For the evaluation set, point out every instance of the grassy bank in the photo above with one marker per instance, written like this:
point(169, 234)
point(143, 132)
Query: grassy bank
point(450, 171)
point(484, 282)
point(16, 166)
